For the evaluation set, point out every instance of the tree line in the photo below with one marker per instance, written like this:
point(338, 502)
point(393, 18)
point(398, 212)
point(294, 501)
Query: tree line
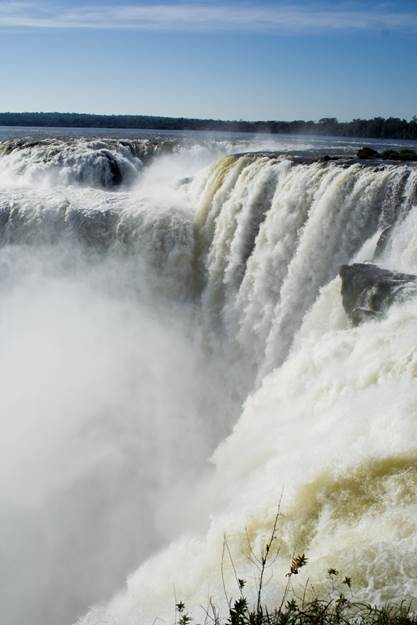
point(376, 128)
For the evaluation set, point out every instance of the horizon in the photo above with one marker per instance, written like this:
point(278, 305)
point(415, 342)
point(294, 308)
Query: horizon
point(218, 119)
point(209, 59)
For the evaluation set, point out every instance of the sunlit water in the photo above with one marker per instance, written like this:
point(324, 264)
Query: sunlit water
point(175, 361)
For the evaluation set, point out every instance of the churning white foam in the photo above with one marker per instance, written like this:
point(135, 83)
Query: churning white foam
point(135, 333)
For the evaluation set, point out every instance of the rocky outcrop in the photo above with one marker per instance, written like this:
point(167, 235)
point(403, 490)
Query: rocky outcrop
point(368, 291)
point(367, 152)
point(404, 155)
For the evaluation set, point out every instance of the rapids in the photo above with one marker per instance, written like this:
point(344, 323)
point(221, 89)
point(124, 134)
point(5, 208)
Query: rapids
point(176, 363)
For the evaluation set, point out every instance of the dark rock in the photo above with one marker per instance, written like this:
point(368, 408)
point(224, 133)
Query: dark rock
point(116, 177)
point(367, 153)
point(368, 291)
point(390, 155)
point(408, 155)
point(399, 155)
point(383, 240)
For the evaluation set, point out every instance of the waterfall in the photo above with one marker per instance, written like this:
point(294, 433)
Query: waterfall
point(275, 232)
point(176, 363)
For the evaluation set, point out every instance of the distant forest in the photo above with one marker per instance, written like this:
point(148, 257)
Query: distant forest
point(377, 128)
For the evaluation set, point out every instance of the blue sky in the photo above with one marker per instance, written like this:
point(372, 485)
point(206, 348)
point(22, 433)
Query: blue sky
point(265, 59)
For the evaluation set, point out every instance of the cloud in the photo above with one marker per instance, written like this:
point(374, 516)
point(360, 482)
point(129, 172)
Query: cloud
point(207, 16)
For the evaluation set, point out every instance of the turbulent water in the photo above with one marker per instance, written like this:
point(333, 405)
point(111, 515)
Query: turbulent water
point(176, 363)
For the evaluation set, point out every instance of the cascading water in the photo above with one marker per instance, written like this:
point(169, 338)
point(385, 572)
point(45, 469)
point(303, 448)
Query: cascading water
point(138, 313)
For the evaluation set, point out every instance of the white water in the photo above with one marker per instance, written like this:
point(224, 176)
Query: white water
point(134, 322)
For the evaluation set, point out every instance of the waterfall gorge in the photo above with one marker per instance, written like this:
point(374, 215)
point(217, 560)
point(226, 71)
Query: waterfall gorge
point(176, 362)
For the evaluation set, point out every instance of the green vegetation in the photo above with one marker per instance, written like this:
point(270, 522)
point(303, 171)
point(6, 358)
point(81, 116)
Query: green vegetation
point(376, 128)
point(337, 607)
point(339, 611)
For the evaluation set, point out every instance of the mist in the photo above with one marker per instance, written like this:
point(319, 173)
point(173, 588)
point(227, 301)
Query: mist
point(175, 357)
point(109, 409)
point(112, 401)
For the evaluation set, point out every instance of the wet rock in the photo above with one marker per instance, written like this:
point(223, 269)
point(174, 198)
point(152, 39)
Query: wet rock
point(399, 155)
point(367, 153)
point(116, 174)
point(405, 155)
point(383, 240)
point(368, 291)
